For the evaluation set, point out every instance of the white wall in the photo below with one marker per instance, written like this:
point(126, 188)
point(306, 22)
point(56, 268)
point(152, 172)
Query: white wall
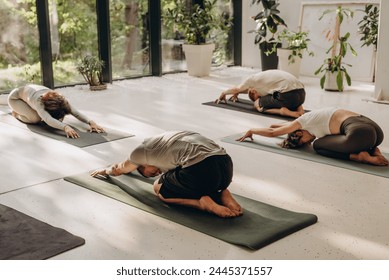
point(290, 12)
point(382, 76)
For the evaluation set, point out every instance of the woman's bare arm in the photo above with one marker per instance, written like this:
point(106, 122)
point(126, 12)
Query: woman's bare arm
point(281, 129)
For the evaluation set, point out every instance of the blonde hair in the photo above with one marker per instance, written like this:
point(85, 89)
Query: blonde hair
point(55, 104)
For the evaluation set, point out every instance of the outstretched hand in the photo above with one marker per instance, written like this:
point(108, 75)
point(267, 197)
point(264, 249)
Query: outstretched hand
point(100, 173)
point(248, 134)
point(70, 132)
point(221, 98)
point(93, 127)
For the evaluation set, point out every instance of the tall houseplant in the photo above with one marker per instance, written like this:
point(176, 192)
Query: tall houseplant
point(268, 21)
point(368, 29)
point(91, 68)
point(197, 23)
point(333, 68)
point(294, 44)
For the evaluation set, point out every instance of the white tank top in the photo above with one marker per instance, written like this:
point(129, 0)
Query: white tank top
point(317, 122)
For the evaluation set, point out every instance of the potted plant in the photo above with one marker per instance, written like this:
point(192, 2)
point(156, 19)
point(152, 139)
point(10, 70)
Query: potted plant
point(368, 28)
point(91, 67)
point(294, 44)
point(197, 23)
point(267, 21)
point(334, 67)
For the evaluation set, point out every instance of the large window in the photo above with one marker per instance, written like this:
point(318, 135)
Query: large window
point(19, 44)
point(73, 30)
point(129, 38)
point(173, 57)
point(43, 41)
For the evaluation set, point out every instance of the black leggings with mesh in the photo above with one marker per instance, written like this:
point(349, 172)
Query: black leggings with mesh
point(291, 100)
point(357, 134)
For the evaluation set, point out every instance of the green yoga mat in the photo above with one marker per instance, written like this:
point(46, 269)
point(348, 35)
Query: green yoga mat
point(245, 106)
point(86, 138)
point(260, 225)
point(25, 238)
point(306, 153)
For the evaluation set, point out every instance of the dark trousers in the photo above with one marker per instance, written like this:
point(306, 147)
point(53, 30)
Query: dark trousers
point(357, 134)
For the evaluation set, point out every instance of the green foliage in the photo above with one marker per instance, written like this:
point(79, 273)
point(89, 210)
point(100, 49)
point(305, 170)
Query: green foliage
point(297, 42)
point(335, 63)
point(268, 21)
point(368, 26)
point(196, 23)
point(91, 67)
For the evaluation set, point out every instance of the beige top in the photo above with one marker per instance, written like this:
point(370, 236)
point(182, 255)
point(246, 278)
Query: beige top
point(32, 94)
point(175, 148)
point(269, 81)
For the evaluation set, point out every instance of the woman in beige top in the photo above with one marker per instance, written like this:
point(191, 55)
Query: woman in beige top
point(32, 104)
point(272, 91)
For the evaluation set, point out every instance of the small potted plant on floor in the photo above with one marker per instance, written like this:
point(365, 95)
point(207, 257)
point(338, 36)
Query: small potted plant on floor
point(197, 23)
point(294, 44)
point(333, 68)
point(91, 67)
point(268, 21)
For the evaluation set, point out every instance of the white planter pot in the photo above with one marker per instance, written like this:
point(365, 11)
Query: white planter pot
point(199, 59)
point(283, 62)
point(330, 82)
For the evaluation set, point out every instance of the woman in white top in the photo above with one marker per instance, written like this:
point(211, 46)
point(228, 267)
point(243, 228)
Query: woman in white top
point(32, 104)
point(336, 133)
point(272, 91)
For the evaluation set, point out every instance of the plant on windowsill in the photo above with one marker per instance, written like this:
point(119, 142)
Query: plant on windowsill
point(196, 23)
point(368, 28)
point(91, 68)
point(334, 67)
point(294, 44)
point(268, 22)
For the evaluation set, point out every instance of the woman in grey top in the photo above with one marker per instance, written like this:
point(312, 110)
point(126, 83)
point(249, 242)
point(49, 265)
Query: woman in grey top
point(196, 171)
point(32, 104)
point(336, 133)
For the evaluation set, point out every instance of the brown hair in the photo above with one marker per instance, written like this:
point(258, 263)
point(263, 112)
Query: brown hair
point(293, 140)
point(56, 105)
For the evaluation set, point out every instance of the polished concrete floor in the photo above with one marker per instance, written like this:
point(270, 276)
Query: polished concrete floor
point(352, 207)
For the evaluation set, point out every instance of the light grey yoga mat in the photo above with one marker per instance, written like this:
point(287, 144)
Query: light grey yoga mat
point(245, 106)
point(86, 138)
point(25, 238)
point(260, 225)
point(307, 153)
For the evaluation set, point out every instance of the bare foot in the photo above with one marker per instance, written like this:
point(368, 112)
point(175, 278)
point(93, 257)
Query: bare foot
point(207, 204)
point(374, 159)
point(228, 200)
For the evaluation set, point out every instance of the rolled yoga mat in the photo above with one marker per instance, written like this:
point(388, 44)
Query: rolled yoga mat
point(306, 153)
point(25, 238)
point(260, 225)
point(86, 138)
point(246, 106)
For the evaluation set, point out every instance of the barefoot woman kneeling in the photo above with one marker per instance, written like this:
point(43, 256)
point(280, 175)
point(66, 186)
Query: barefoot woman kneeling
point(336, 133)
point(195, 171)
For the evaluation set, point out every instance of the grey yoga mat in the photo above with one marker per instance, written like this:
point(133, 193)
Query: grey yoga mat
point(25, 238)
point(260, 225)
point(307, 153)
point(245, 106)
point(86, 138)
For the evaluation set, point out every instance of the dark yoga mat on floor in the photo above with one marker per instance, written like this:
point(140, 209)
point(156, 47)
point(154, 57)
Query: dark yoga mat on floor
point(260, 225)
point(307, 153)
point(86, 138)
point(245, 106)
point(25, 238)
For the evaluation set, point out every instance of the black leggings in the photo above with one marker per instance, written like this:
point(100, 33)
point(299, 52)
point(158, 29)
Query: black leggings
point(357, 134)
point(291, 100)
